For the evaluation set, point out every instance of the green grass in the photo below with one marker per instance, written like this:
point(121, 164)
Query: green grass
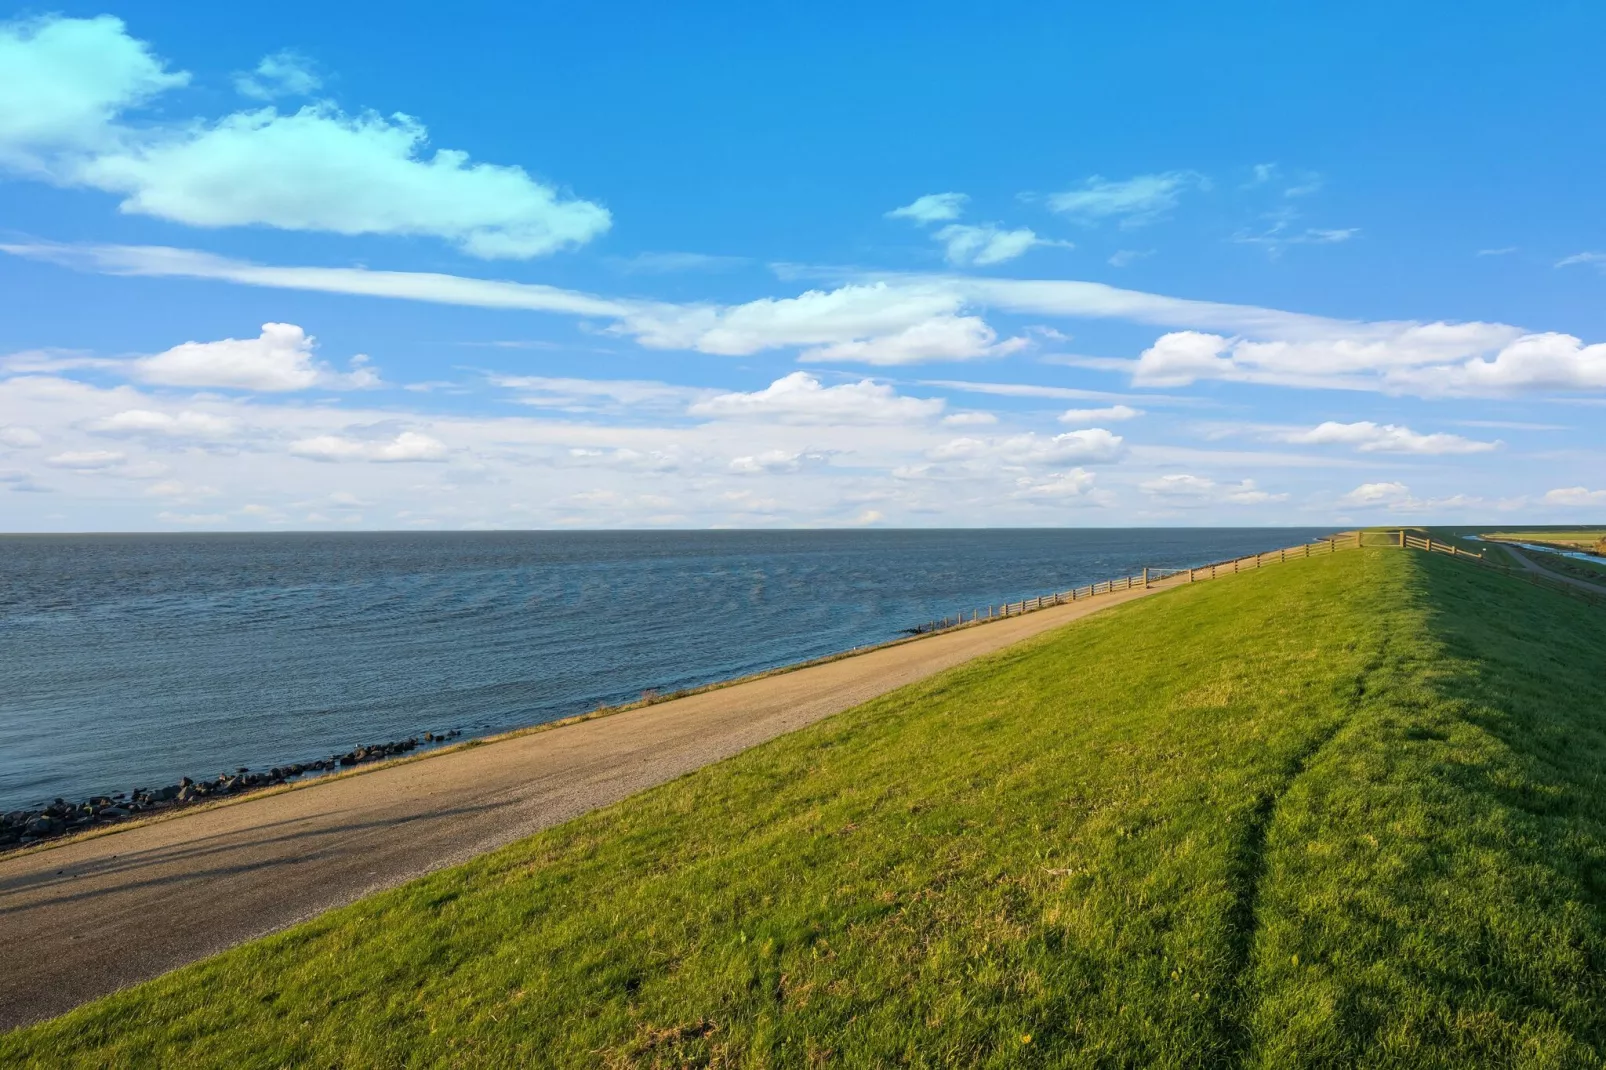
point(1343, 811)
point(1584, 539)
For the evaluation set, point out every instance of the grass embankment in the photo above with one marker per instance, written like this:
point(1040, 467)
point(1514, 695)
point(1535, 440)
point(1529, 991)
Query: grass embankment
point(1341, 811)
point(1590, 539)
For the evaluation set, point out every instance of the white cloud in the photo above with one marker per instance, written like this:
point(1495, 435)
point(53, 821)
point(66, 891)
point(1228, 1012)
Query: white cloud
point(674, 263)
point(986, 244)
point(1378, 494)
point(178, 491)
point(1575, 496)
point(1182, 357)
point(1369, 437)
point(1531, 362)
point(1112, 412)
point(598, 395)
point(86, 460)
point(193, 519)
point(1056, 486)
point(1424, 358)
point(1397, 498)
point(282, 74)
point(20, 437)
point(774, 461)
point(1133, 202)
point(1127, 257)
point(63, 80)
point(1092, 444)
point(1188, 489)
point(932, 317)
point(1598, 259)
point(185, 424)
point(814, 318)
point(970, 418)
point(1277, 237)
point(279, 359)
point(316, 169)
point(938, 338)
point(407, 446)
point(932, 208)
point(799, 398)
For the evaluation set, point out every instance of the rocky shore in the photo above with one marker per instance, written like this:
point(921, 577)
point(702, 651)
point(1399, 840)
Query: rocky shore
point(21, 828)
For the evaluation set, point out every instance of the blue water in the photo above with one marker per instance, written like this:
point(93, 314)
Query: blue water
point(129, 660)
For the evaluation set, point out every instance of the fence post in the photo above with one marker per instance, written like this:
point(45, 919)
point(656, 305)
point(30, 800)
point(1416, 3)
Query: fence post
point(1402, 538)
point(1145, 577)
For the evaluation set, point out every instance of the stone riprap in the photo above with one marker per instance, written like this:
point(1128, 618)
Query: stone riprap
point(22, 828)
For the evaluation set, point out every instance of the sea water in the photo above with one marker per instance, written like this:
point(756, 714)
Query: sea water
point(129, 660)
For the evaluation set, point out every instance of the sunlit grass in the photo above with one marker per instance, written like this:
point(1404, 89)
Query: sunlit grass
point(1341, 811)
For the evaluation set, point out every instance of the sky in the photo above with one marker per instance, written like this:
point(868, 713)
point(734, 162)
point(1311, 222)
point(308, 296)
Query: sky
point(315, 266)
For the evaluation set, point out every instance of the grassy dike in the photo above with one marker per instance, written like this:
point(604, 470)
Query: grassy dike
point(1342, 811)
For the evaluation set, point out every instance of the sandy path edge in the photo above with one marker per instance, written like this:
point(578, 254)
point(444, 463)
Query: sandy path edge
point(87, 917)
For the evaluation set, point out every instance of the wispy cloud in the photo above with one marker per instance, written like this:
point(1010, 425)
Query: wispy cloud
point(1192, 490)
point(988, 244)
point(1131, 202)
point(1127, 257)
point(932, 208)
point(283, 74)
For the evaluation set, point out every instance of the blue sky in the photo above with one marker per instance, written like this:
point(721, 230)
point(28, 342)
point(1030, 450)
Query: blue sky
point(718, 266)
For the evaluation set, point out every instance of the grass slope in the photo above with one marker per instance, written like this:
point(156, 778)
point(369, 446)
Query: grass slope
point(1344, 811)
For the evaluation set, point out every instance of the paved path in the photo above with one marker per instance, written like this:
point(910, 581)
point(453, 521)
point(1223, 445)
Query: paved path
point(82, 919)
point(1526, 561)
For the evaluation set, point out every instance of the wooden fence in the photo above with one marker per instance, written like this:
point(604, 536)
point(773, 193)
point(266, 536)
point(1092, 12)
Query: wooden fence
point(1404, 539)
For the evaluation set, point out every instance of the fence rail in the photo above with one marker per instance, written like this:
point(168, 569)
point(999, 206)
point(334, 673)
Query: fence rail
point(1404, 539)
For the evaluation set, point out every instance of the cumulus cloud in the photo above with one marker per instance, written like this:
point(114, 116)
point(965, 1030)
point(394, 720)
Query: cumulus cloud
point(1112, 412)
point(1187, 489)
point(932, 208)
point(1432, 359)
point(1369, 437)
point(87, 460)
point(1376, 493)
point(66, 84)
point(62, 81)
point(185, 424)
point(279, 359)
point(1575, 496)
point(1092, 444)
point(800, 398)
point(774, 462)
point(1531, 362)
point(20, 437)
point(1056, 486)
point(1397, 497)
point(1132, 202)
point(407, 446)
